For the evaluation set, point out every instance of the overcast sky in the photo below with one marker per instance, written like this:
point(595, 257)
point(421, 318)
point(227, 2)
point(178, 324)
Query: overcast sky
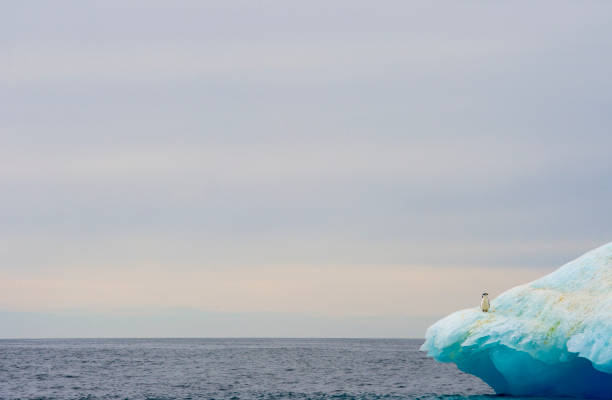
point(272, 168)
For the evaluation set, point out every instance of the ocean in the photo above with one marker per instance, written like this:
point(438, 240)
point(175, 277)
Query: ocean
point(235, 369)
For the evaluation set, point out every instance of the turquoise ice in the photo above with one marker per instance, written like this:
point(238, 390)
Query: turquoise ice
point(549, 337)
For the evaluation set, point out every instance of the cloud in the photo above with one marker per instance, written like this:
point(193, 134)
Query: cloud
point(176, 323)
point(418, 163)
point(329, 161)
point(300, 63)
point(309, 290)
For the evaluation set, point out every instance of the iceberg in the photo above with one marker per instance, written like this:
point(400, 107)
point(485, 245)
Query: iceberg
point(551, 337)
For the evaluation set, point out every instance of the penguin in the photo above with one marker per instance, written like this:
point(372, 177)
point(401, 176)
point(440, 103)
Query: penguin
point(484, 303)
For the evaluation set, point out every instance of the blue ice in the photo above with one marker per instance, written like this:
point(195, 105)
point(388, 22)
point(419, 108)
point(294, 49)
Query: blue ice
point(549, 337)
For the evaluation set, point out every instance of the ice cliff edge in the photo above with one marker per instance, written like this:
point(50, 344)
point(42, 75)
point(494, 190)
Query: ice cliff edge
point(549, 337)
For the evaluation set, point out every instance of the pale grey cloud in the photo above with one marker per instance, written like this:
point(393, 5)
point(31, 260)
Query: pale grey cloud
point(200, 136)
point(195, 323)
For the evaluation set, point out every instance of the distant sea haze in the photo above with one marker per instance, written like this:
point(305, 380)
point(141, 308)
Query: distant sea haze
point(227, 369)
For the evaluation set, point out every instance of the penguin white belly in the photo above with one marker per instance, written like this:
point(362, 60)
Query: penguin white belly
point(484, 304)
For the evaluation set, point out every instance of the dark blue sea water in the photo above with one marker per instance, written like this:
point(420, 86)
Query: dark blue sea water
point(227, 369)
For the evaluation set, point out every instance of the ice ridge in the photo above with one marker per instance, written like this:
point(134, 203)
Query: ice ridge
point(549, 337)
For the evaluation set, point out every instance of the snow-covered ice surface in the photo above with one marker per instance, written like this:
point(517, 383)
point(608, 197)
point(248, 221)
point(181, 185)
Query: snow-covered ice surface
point(549, 337)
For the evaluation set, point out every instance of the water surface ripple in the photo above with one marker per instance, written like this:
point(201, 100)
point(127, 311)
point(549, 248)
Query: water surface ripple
point(264, 369)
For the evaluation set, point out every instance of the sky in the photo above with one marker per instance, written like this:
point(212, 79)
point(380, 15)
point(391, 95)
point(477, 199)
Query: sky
point(293, 169)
